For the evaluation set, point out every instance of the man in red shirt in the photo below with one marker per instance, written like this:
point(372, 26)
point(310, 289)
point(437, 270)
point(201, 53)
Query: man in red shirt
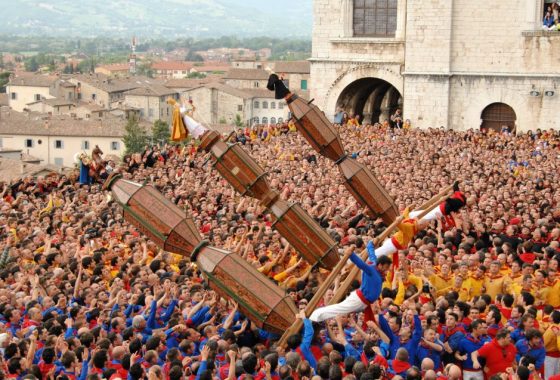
point(499, 354)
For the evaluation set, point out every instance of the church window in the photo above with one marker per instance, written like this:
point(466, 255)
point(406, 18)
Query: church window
point(375, 18)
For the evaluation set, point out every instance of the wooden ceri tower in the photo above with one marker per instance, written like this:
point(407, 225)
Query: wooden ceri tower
point(291, 220)
point(263, 302)
point(319, 132)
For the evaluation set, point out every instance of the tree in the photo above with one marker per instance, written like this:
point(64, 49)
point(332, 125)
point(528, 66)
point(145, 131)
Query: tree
point(238, 122)
point(135, 137)
point(196, 75)
point(87, 66)
point(4, 79)
point(68, 69)
point(160, 132)
point(1, 60)
point(193, 56)
point(31, 65)
point(145, 68)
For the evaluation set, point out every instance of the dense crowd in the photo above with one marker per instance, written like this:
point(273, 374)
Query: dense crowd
point(84, 295)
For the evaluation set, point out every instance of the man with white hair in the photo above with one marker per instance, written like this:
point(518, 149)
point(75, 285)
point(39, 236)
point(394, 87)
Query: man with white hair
point(139, 325)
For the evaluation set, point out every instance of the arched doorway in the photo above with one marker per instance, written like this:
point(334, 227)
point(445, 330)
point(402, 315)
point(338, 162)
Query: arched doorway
point(374, 99)
point(497, 115)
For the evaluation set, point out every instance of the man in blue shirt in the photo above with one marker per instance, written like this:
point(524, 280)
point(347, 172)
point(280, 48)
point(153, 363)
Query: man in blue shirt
point(408, 336)
point(532, 345)
point(369, 291)
point(470, 343)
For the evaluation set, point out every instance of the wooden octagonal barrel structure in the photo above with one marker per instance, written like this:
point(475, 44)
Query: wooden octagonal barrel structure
point(264, 303)
point(367, 190)
point(293, 223)
point(304, 234)
point(237, 167)
point(312, 123)
point(155, 216)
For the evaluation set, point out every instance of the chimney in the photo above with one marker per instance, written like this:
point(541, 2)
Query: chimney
point(46, 124)
point(23, 165)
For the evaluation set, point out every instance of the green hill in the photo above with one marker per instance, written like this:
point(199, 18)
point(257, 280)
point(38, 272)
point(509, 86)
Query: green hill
point(162, 18)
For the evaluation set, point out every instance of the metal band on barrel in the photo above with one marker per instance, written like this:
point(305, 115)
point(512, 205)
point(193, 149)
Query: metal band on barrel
point(197, 249)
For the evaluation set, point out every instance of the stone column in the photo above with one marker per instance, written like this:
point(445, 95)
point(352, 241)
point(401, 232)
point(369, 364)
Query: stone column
point(347, 8)
point(385, 114)
point(401, 20)
point(533, 14)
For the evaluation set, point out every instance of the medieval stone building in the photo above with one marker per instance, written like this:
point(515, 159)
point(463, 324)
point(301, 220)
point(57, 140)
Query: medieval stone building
point(455, 63)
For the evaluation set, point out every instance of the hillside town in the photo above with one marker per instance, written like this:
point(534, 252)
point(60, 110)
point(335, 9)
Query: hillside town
point(52, 116)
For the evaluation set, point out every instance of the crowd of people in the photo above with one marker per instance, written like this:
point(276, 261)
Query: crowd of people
point(550, 19)
point(84, 295)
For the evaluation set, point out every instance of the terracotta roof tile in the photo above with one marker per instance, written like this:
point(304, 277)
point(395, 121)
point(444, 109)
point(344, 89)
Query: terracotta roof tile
point(292, 67)
point(34, 124)
point(248, 74)
point(33, 80)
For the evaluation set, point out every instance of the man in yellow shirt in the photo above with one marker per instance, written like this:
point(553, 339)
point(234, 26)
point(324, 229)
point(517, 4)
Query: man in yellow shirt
point(475, 282)
point(443, 279)
point(515, 276)
point(554, 293)
point(494, 282)
point(552, 346)
point(458, 286)
point(541, 288)
point(526, 286)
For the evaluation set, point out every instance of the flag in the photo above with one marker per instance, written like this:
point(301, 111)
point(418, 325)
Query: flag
point(179, 132)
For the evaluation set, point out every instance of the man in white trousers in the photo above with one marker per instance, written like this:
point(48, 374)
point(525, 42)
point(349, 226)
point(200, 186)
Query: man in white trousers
point(194, 127)
point(373, 273)
point(410, 226)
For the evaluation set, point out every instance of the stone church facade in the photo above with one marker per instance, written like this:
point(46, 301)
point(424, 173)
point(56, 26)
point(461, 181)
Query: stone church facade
point(460, 64)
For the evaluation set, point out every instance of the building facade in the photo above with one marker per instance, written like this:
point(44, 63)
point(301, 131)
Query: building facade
point(151, 101)
point(220, 103)
point(55, 140)
point(172, 69)
point(27, 89)
point(217, 103)
point(455, 63)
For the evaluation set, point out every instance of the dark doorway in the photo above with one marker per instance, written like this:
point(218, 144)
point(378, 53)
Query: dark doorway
point(496, 116)
point(374, 99)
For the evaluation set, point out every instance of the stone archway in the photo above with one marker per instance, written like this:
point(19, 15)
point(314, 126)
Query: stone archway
point(497, 115)
point(374, 99)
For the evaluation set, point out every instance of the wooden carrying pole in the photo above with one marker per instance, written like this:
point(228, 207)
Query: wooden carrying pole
point(296, 326)
point(426, 208)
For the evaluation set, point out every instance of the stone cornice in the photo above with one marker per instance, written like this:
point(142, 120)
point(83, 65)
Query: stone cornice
point(353, 61)
point(366, 40)
point(481, 74)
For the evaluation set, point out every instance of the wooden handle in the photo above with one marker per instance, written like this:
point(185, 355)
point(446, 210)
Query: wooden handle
point(426, 207)
point(296, 326)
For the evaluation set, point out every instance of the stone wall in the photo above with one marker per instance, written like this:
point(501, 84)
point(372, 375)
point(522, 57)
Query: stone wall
point(428, 36)
point(449, 59)
point(25, 95)
point(152, 108)
point(213, 105)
